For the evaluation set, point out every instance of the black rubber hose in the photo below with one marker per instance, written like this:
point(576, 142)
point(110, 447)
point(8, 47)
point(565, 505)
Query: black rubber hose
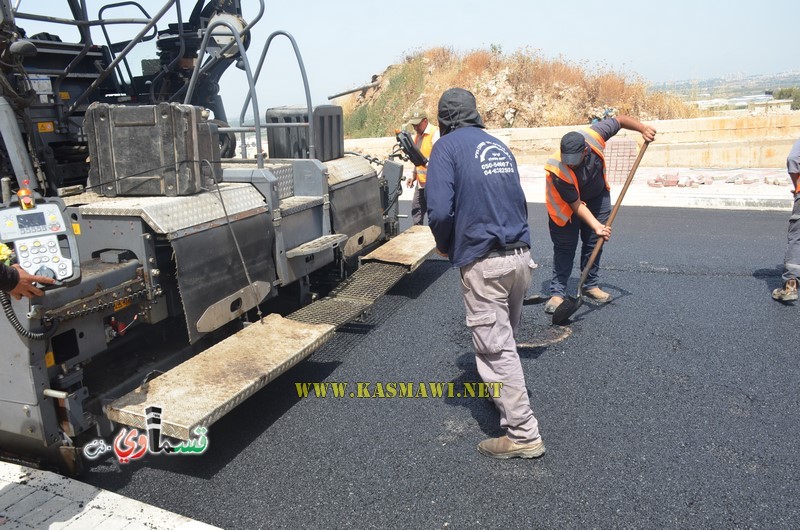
point(5, 301)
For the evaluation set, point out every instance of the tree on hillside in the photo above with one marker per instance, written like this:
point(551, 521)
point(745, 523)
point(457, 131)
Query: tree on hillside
point(789, 93)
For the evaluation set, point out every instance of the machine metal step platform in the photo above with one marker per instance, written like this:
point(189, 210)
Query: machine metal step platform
point(316, 245)
point(203, 389)
point(410, 248)
point(293, 205)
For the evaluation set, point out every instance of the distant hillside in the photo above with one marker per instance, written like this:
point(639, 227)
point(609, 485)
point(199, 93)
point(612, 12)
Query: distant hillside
point(730, 86)
point(522, 89)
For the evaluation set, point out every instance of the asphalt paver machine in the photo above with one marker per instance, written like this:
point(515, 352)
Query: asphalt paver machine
point(168, 241)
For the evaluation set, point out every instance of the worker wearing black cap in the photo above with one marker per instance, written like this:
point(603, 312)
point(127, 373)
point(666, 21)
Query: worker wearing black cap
point(579, 202)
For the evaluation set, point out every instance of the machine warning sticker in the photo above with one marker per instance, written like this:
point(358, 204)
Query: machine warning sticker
point(46, 126)
point(122, 304)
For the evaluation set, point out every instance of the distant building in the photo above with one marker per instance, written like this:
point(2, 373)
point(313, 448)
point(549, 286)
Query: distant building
point(771, 106)
point(756, 104)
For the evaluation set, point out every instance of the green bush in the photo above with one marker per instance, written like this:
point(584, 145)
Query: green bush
point(385, 114)
point(789, 93)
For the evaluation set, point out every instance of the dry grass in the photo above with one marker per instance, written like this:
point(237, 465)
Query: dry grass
point(440, 57)
point(523, 89)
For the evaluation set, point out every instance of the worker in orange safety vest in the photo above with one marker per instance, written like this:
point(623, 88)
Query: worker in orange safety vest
point(427, 135)
point(579, 202)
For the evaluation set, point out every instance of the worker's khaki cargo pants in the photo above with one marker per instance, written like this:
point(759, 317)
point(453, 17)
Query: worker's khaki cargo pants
point(493, 289)
point(792, 260)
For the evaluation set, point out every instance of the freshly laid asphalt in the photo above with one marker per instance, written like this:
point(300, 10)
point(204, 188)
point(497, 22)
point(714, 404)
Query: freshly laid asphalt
point(676, 405)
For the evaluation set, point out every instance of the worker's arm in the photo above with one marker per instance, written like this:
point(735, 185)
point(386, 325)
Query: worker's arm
point(440, 193)
point(25, 284)
point(9, 277)
point(793, 165)
point(632, 124)
point(586, 216)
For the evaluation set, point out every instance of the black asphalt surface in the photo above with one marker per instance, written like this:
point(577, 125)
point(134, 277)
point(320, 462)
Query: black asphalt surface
point(674, 406)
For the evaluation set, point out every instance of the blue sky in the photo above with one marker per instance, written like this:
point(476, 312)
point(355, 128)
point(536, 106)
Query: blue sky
point(344, 43)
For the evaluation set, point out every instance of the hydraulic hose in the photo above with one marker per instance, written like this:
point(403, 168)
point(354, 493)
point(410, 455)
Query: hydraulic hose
point(5, 301)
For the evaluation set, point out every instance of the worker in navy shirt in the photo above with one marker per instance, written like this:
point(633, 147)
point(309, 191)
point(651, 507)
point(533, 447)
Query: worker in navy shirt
point(478, 217)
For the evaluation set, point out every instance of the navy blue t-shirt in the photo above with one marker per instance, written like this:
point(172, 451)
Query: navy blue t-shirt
point(475, 199)
point(590, 173)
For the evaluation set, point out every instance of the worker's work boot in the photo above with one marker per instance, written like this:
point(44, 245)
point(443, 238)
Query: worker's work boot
point(552, 304)
point(788, 293)
point(503, 448)
point(597, 294)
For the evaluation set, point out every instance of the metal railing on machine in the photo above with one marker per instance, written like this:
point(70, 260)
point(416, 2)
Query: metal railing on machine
point(252, 80)
point(83, 26)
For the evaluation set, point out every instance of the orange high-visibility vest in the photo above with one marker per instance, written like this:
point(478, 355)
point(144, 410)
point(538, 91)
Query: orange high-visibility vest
point(558, 209)
point(424, 143)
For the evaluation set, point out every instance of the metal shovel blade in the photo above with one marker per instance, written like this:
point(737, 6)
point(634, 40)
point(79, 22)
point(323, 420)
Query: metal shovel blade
point(566, 310)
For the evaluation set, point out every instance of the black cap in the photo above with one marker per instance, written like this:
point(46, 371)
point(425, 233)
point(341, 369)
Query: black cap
point(572, 146)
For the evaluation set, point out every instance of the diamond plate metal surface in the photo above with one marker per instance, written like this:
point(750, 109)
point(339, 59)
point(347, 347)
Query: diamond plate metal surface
point(317, 245)
point(88, 197)
point(347, 168)
point(292, 205)
point(169, 214)
point(209, 385)
point(410, 248)
point(285, 175)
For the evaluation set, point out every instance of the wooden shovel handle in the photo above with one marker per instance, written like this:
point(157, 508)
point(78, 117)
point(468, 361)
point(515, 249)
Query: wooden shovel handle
point(600, 240)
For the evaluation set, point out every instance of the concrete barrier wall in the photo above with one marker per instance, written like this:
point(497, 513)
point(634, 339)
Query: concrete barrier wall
point(761, 141)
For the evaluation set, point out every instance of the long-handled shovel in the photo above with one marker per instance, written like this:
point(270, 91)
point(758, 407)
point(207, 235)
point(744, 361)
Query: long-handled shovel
point(571, 304)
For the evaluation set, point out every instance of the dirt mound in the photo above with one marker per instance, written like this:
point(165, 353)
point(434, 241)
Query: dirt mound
point(519, 90)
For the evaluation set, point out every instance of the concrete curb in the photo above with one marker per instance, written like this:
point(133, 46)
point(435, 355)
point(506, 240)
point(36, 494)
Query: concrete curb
point(31, 498)
point(719, 195)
